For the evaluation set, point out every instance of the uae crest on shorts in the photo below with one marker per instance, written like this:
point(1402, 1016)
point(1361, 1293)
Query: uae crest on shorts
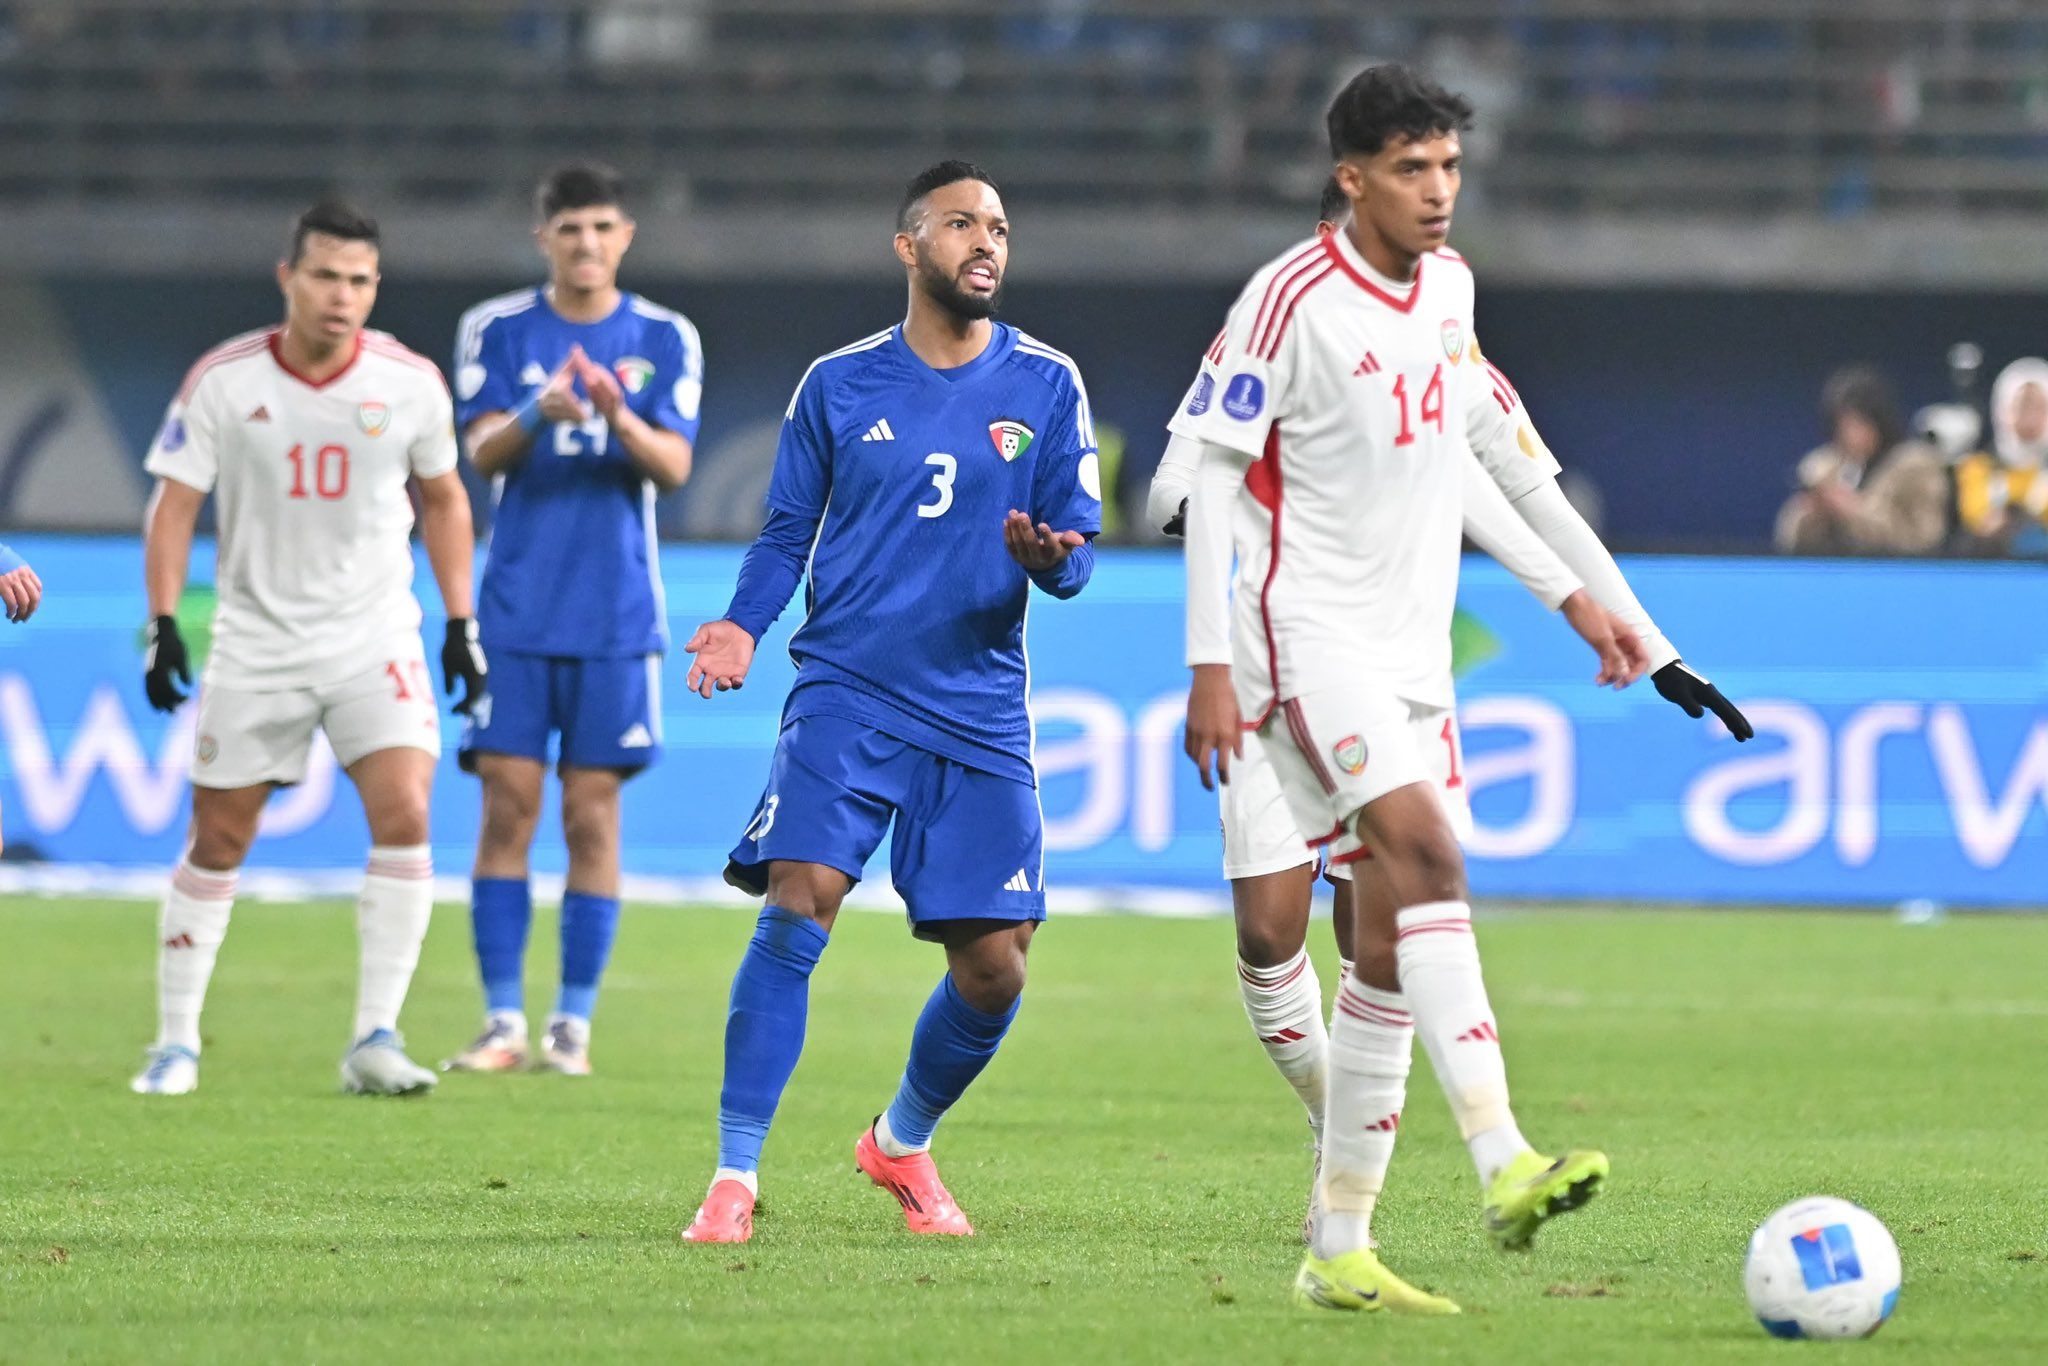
point(1350, 754)
point(1012, 438)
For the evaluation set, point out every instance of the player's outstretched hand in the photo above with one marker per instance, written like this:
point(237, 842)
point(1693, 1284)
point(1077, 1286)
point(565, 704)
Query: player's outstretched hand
point(558, 401)
point(601, 384)
point(724, 652)
point(22, 592)
point(462, 661)
point(1038, 547)
point(1215, 728)
point(166, 660)
point(1622, 656)
point(1696, 696)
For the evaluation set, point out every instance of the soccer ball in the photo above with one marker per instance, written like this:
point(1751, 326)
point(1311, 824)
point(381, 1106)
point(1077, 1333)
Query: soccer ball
point(1822, 1268)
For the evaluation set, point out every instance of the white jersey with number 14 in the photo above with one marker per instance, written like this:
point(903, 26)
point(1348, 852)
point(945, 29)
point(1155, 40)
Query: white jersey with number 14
point(1358, 398)
point(314, 573)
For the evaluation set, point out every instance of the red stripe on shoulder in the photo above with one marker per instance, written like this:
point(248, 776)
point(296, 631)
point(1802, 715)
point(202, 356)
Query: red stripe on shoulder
point(1278, 283)
point(1280, 329)
point(234, 348)
point(1448, 254)
point(1297, 279)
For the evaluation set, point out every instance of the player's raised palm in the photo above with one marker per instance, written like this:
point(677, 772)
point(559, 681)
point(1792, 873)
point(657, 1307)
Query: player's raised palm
point(1038, 547)
point(724, 652)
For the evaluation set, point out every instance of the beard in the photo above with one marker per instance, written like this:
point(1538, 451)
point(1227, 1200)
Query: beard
point(945, 291)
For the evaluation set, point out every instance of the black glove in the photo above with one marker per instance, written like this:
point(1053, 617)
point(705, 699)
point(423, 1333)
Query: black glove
point(1684, 688)
point(1177, 525)
point(166, 659)
point(462, 660)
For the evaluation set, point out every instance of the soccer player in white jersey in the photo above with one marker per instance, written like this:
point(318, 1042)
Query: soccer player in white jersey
point(311, 435)
point(1336, 414)
point(1270, 866)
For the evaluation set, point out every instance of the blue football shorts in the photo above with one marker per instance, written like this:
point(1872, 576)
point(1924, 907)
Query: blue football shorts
point(967, 844)
point(607, 711)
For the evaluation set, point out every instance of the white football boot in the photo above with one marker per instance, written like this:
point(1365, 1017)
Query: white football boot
point(566, 1047)
point(172, 1070)
point(377, 1066)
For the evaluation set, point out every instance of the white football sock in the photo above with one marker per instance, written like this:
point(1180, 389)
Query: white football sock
point(1285, 1006)
point(391, 919)
point(886, 1140)
point(1371, 1045)
point(1345, 966)
point(748, 1179)
point(1439, 962)
point(193, 921)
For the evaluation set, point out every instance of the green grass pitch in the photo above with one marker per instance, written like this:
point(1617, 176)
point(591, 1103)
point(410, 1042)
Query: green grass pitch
point(1135, 1169)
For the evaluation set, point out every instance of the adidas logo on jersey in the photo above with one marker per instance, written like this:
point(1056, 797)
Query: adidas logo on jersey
point(636, 737)
point(880, 432)
point(261, 413)
point(1019, 883)
point(1369, 366)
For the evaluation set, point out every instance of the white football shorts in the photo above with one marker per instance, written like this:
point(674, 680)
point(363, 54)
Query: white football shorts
point(246, 738)
point(1322, 758)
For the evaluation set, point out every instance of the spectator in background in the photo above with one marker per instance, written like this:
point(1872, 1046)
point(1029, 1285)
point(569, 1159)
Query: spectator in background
point(1868, 490)
point(2002, 493)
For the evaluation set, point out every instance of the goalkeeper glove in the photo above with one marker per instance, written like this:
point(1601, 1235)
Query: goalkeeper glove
point(165, 659)
point(462, 660)
point(1683, 688)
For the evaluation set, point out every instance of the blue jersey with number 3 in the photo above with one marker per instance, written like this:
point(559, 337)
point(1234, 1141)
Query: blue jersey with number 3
point(572, 569)
point(915, 607)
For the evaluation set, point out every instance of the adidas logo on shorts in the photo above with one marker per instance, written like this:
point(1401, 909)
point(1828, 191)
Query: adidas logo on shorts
point(636, 737)
point(1019, 883)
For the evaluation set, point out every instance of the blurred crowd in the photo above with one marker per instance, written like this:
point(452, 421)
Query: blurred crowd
point(1948, 484)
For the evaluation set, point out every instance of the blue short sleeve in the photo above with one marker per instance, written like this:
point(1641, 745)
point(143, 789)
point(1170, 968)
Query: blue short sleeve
point(1066, 491)
point(486, 377)
point(679, 381)
point(802, 481)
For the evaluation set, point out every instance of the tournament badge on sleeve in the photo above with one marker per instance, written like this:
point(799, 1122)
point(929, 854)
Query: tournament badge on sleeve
point(1012, 438)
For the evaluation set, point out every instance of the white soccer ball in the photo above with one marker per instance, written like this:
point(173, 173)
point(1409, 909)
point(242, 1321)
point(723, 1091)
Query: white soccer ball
point(1822, 1268)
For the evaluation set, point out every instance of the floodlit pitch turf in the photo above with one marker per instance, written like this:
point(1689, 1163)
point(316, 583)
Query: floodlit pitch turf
point(1134, 1167)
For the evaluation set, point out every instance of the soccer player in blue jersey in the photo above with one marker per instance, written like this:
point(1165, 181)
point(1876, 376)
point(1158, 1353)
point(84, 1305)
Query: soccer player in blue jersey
point(579, 401)
point(932, 473)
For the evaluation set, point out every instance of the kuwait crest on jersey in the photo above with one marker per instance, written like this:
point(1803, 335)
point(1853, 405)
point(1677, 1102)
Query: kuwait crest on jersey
point(1012, 438)
point(633, 373)
point(373, 418)
point(1454, 338)
point(1350, 754)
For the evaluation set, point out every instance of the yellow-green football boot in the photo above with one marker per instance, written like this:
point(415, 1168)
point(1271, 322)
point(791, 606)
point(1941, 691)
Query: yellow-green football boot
point(1358, 1283)
point(1534, 1188)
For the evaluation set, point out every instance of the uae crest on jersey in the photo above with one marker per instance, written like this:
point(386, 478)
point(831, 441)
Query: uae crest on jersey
point(1454, 338)
point(1012, 438)
point(373, 418)
point(1350, 754)
point(633, 373)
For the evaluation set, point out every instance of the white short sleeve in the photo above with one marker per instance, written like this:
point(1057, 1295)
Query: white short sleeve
point(1246, 377)
point(186, 447)
point(433, 451)
point(1501, 432)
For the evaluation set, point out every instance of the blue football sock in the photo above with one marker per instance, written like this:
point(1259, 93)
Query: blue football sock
point(500, 908)
point(589, 924)
point(951, 1044)
point(764, 1030)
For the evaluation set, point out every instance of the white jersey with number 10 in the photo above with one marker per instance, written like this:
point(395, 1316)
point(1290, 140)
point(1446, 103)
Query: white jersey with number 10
point(315, 563)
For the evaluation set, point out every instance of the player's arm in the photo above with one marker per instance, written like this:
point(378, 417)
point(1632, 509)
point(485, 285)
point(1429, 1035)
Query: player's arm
point(1166, 501)
point(1522, 466)
point(1215, 730)
point(1066, 492)
point(449, 534)
point(20, 590)
point(167, 530)
point(660, 455)
point(798, 491)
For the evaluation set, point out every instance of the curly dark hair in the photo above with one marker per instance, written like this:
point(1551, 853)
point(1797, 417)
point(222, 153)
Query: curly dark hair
point(1382, 103)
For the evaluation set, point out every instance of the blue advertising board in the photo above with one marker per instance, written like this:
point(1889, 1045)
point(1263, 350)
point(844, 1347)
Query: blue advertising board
point(1901, 710)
